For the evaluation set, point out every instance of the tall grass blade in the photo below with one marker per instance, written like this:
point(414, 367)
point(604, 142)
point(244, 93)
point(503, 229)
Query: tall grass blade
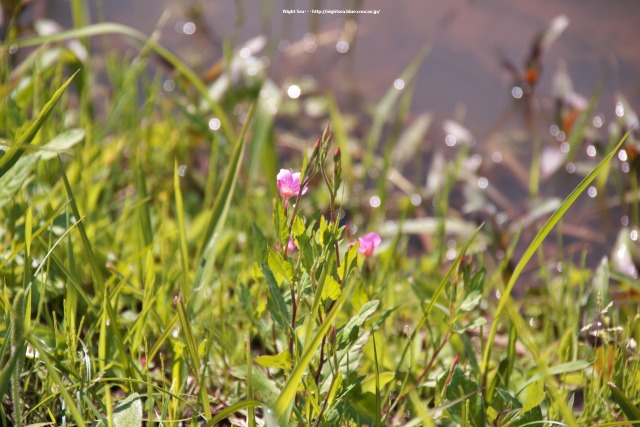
point(164, 53)
point(630, 410)
point(182, 233)
point(192, 348)
point(221, 205)
point(52, 372)
point(97, 275)
point(15, 152)
point(535, 244)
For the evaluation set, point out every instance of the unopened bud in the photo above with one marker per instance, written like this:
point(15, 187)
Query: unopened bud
point(326, 133)
point(337, 170)
point(336, 157)
point(316, 148)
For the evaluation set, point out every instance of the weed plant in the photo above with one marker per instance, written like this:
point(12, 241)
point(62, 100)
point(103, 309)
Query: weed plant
point(157, 269)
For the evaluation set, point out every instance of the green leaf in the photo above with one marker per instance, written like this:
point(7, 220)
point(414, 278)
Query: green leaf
point(302, 239)
point(298, 227)
point(630, 410)
point(369, 383)
point(260, 244)
point(129, 412)
point(346, 333)
point(562, 368)
point(275, 301)
point(323, 231)
point(11, 183)
point(474, 324)
point(504, 400)
point(350, 261)
point(233, 409)
point(530, 418)
point(280, 224)
point(280, 267)
point(473, 292)
point(280, 361)
point(331, 289)
point(533, 396)
point(465, 389)
point(61, 143)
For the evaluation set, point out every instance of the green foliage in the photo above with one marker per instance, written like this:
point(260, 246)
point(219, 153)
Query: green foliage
point(149, 273)
point(129, 412)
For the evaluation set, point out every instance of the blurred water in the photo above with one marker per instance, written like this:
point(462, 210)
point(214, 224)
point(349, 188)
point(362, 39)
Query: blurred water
point(462, 69)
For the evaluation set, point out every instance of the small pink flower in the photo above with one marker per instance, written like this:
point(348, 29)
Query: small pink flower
point(289, 183)
point(369, 243)
point(291, 246)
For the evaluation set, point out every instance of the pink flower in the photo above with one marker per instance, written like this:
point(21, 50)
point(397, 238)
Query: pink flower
point(289, 184)
point(369, 243)
point(291, 246)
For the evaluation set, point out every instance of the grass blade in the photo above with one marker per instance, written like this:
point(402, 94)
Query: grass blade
point(432, 303)
point(97, 275)
point(192, 348)
point(52, 372)
point(164, 53)
point(221, 205)
point(286, 398)
point(15, 152)
point(630, 410)
point(535, 244)
point(233, 409)
point(182, 232)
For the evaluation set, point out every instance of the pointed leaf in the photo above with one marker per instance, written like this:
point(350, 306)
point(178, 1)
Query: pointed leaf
point(630, 410)
point(280, 361)
point(331, 289)
point(129, 412)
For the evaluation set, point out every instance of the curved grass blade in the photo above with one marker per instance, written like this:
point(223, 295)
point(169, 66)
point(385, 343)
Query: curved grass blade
point(164, 53)
point(15, 152)
point(221, 205)
point(563, 368)
point(535, 244)
point(233, 409)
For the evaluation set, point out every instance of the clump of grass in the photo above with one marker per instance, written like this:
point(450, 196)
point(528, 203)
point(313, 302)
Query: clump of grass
point(142, 284)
